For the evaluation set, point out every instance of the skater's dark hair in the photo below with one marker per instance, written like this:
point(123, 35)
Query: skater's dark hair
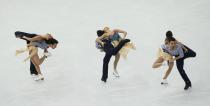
point(100, 32)
point(169, 34)
point(51, 41)
point(171, 39)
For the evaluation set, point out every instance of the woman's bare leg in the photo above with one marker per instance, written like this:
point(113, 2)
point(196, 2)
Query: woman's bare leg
point(34, 52)
point(34, 58)
point(36, 65)
point(168, 71)
point(117, 58)
point(158, 63)
point(42, 60)
point(40, 76)
point(37, 60)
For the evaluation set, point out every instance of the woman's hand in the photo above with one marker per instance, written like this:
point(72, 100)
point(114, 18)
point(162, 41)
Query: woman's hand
point(125, 34)
point(47, 36)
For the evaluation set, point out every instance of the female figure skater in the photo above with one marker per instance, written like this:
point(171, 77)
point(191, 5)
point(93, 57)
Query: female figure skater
point(163, 56)
point(33, 53)
point(115, 38)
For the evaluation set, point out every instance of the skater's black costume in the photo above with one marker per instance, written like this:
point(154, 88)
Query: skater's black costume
point(180, 65)
point(110, 50)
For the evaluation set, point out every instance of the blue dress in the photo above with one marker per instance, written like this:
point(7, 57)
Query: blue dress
point(115, 37)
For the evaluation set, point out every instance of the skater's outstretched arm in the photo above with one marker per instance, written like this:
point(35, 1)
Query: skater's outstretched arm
point(38, 38)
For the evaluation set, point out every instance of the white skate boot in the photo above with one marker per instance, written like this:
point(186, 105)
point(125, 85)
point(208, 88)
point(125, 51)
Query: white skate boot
point(164, 82)
point(39, 77)
point(116, 74)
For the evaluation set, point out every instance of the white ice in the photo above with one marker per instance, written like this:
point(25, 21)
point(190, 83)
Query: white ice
point(72, 74)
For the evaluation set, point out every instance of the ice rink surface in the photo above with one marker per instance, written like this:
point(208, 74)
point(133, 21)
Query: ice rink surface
point(72, 74)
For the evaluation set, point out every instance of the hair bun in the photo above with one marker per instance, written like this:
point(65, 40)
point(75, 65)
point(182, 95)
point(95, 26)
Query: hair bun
point(169, 34)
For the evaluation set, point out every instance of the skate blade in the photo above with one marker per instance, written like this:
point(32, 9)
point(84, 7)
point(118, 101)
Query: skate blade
point(42, 79)
point(162, 83)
